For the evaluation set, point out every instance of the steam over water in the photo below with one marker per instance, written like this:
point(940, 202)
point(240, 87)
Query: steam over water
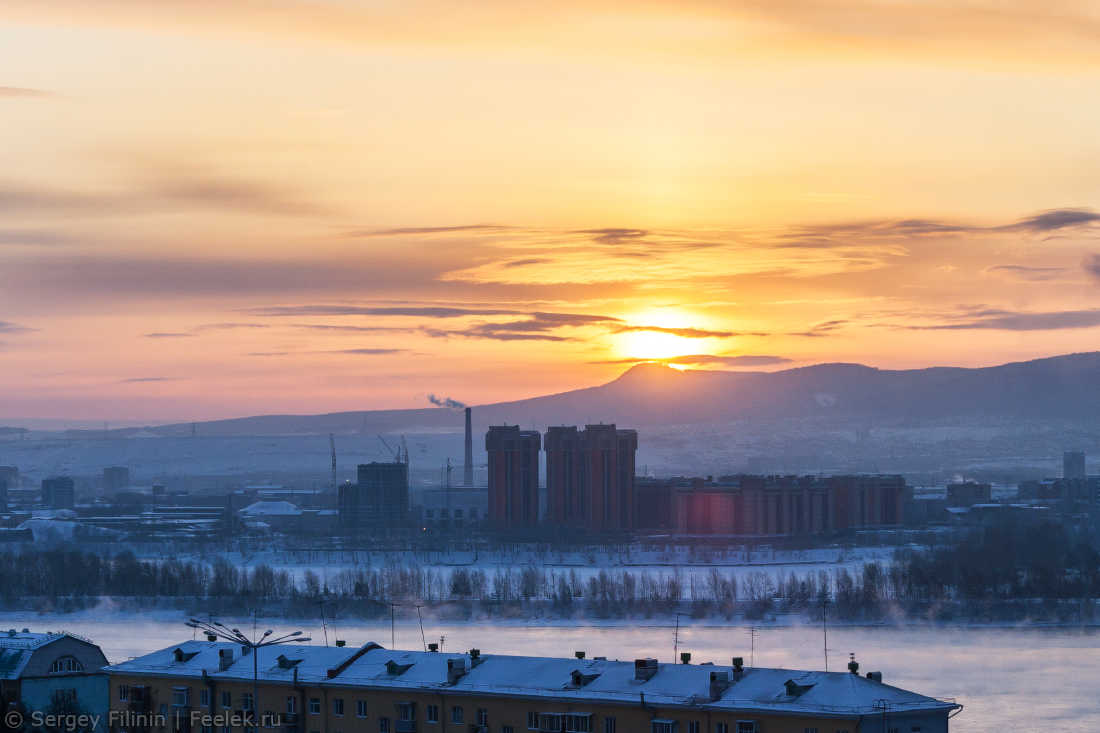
point(1007, 679)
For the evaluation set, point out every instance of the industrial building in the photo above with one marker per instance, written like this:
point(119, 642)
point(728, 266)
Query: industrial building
point(513, 475)
point(590, 477)
point(115, 479)
point(1073, 464)
point(370, 689)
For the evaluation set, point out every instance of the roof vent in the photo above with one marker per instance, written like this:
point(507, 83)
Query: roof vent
point(393, 669)
point(644, 669)
point(876, 676)
point(211, 637)
point(738, 668)
point(685, 657)
point(578, 655)
point(286, 662)
point(719, 683)
point(26, 631)
point(11, 632)
point(853, 667)
point(433, 647)
point(475, 657)
point(455, 669)
point(225, 658)
point(340, 642)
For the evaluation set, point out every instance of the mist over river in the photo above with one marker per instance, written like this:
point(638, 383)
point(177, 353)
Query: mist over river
point(1007, 678)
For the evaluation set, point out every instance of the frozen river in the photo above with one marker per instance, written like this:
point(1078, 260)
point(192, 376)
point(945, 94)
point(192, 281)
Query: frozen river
point(1007, 679)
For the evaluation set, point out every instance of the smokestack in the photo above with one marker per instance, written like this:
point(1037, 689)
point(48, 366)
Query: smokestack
point(468, 468)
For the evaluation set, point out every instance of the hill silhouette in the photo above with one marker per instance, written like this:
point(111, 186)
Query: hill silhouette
point(1063, 388)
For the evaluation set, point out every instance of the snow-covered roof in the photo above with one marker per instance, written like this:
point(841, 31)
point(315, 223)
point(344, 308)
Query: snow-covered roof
point(269, 508)
point(16, 648)
point(596, 681)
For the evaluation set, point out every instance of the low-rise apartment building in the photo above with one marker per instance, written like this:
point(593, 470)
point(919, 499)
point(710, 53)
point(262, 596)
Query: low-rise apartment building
point(207, 687)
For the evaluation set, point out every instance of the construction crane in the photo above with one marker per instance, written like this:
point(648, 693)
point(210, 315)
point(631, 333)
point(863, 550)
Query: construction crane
point(401, 455)
point(332, 443)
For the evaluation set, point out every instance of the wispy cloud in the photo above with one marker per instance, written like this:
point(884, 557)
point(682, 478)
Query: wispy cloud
point(1091, 265)
point(1005, 320)
point(148, 379)
point(1031, 274)
point(26, 92)
point(368, 233)
point(365, 352)
point(689, 333)
point(8, 327)
point(166, 335)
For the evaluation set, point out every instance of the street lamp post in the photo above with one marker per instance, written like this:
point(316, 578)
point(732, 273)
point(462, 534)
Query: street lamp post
point(221, 631)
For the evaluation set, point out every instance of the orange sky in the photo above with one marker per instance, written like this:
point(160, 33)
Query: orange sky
point(214, 209)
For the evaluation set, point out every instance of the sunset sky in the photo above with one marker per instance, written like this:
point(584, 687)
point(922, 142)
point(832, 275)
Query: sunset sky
point(217, 209)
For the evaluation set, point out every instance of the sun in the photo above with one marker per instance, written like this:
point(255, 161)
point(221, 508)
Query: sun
point(654, 345)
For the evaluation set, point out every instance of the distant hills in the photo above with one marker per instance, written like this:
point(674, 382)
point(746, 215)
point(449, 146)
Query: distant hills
point(1063, 388)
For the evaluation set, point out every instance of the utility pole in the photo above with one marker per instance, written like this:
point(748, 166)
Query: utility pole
point(753, 633)
point(825, 627)
point(676, 639)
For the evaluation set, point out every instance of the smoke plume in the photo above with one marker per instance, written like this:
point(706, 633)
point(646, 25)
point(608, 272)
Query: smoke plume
point(446, 402)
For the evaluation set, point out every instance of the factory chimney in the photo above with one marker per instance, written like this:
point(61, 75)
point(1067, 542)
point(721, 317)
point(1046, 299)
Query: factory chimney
point(468, 467)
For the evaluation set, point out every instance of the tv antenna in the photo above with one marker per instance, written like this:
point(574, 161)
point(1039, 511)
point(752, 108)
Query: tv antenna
point(753, 633)
point(676, 639)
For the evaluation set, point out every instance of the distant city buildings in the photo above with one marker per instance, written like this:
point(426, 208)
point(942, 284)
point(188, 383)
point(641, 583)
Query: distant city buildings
point(58, 493)
point(115, 479)
point(1073, 464)
point(590, 477)
point(381, 496)
point(513, 475)
point(770, 505)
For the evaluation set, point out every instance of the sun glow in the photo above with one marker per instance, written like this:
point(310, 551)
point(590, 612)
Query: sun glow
point(655, 345)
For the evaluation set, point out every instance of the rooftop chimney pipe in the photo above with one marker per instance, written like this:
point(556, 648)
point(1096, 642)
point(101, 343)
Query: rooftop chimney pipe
point(468, 467)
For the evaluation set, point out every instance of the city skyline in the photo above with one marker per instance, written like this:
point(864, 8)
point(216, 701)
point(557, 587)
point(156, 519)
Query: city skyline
point(284, 207)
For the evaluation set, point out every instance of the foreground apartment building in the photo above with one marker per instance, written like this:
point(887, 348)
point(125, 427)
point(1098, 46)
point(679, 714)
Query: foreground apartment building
point(207, 687)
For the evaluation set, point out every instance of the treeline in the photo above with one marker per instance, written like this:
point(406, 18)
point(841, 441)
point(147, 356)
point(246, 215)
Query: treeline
point(1004, 570)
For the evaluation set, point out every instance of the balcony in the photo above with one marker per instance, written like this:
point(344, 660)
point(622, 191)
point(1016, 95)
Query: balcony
point(404, 726)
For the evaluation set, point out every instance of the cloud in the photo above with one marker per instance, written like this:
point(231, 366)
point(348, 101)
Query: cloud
point(229, 326)
point(1001, 320)
point(823, 328)
point(168, 335)
point(366, 310)
point(165, 189)
point(148, 379)
point(25, 92)
point(365, 352)
point(7, 327)
point(688, 333)
point(1030, 274)
point(446, 402)
point(1091, 265)
point(420, 231)
point(1054, 219)
point(616, 235)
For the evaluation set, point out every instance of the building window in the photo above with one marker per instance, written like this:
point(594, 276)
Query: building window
point(811, 730)
point(360, 708)
point(338, 706)
point(291, 704)
point(456, 715)
point(550, 722)
point(506, 729)
point(748, 726)
point(227, 699)
point(458, 514)
point(247, 702)
point(204, 698)
point(578, 723)
point(664, 726)
point(226, 729)
point(406, 711)
point(66, 664)
point(429, 513)
point(123, 693)
point(608, 725)
point(70, 694)
point(181, 696)
point(432, 712)
point(482, 716)
point(693, 726)
point(532, 721)
point(314, 706)
point(383, 725)
point(724, 728)
point(206, 729)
